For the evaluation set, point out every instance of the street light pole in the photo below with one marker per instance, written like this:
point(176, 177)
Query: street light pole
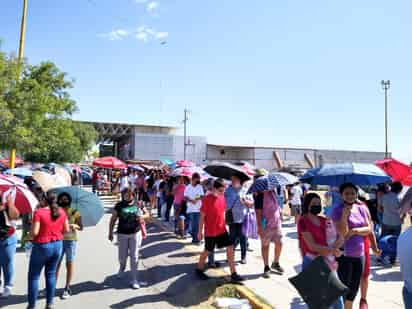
point(185, 132)
point(385, 86)
point(19, 66)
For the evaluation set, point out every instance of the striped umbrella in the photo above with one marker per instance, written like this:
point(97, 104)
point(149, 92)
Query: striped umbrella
point(23, 198)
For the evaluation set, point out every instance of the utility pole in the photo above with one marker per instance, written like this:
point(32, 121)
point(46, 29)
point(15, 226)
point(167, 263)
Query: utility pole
point(385, 86)
point(185, 120)
point(19, 65)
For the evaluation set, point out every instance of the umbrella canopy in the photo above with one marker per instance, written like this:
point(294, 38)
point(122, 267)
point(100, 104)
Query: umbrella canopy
point(17, 162)
point(64, 174)
point(136, 167)
point(23, 198)
point(189, 171)
point(19, 171)
point(286, 178)
point(398, 170)
point(267, 183)
point(88, 204)
point(337, 174)
point(226, 171)
point(184, 163)
point(109, 162)
point(47, 181)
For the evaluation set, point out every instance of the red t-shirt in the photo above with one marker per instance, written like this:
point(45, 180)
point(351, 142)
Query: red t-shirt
point(49, 230)
point(213, 207)
point(318, 233)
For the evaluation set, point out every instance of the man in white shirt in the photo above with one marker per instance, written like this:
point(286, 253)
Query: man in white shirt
point(193, 196)
point(296, 201)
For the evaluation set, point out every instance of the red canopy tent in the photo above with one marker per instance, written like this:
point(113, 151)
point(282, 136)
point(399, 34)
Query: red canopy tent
point(398, 170)
point(109, 162)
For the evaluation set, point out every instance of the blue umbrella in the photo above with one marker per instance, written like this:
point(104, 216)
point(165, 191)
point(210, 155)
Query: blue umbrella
point(88, 204)
point(286, 178)
point(20, 171)
point(267, 183)
point(337, 174)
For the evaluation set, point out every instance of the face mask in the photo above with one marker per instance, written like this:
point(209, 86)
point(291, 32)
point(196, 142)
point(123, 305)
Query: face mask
point(315, 209)
point(64, 204)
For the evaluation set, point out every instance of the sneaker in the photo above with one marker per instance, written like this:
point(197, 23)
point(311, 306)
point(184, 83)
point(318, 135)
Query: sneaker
point(66, 293)
point(201, 274)
point(266, 272)
point(363, 304)
point(236, 278)
point(135, 285)
point(6, 292)
point(243, 261)
point(278, 268)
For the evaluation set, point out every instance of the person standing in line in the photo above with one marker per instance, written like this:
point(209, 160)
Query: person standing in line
point(179, 191)
point(404, 256)
point(313, 237)
point(193, 196)
point(296, 201)
point(353, 224)
point(159, 185)
point(130, 217)
point(8, 243)
point(391, 209)
point(269, 229)
point(169, 197)
point(64, 200)
point(49, 225)
point(212, 220)
point(238, 205)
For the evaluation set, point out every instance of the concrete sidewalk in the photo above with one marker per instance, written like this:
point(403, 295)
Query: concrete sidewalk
point(385, 286)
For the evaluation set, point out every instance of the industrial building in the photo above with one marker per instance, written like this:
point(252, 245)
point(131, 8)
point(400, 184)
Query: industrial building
point(147, 142)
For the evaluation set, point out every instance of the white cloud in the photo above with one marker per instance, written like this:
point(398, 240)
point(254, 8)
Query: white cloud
point(116, 35)
point(162, 35)
point(152, 6)
point(142, 33)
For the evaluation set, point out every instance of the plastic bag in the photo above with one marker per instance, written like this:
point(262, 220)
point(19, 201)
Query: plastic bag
point(249, 227)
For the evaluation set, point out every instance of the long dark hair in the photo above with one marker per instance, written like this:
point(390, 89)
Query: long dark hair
point(306, 202)
point(51, 199)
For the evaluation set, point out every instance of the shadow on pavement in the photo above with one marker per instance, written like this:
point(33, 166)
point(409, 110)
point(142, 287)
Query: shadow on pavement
point(394, 275)
point(293, 235)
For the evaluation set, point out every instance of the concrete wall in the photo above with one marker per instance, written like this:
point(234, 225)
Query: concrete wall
point(229, 154)
point(157, 146)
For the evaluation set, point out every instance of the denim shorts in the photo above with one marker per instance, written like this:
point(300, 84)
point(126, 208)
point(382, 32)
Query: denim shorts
point(69, 249)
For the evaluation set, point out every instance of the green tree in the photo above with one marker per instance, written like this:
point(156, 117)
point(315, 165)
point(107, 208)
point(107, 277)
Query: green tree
point(35, 113)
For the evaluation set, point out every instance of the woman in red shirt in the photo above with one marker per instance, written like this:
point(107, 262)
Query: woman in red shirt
point(313, 236)
point(49, 224)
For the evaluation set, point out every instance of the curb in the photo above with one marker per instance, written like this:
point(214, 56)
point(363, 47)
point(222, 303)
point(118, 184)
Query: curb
point(254, 300)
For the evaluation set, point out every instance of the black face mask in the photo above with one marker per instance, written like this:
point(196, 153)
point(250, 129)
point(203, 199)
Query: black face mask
point(64, 204)
point(315, 209)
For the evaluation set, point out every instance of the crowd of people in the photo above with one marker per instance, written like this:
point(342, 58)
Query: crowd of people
point(214, 212)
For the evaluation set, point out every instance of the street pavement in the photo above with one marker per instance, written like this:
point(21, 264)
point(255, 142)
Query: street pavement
point(167, 274)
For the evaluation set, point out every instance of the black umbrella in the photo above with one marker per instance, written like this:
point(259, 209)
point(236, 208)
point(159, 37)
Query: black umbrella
point(226, 171)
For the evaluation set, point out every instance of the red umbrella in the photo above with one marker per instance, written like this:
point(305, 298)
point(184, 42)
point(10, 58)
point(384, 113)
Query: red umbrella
point(184, 163)
point(17, 162)
point(398, 171)
point(109, 162)
point(24, 199)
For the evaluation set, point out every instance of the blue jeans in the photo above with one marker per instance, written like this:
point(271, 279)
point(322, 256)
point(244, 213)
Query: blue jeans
point(7, 253)
point(43, 255)
point(237, 237)
point(193, 219)
point(339, 302)
point(407, 298)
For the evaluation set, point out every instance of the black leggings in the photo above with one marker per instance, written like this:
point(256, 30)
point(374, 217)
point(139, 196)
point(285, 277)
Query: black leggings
point(350, 273)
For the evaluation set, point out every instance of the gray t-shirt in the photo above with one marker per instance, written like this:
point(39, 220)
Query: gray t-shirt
point(391, 209)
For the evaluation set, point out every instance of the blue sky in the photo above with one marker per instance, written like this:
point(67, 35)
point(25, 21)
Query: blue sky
point(266, 72)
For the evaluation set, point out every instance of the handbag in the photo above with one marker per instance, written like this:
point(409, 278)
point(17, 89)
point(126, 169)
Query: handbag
point(229, 213)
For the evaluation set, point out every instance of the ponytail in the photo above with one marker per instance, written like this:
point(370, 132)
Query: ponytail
point(54, 208)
